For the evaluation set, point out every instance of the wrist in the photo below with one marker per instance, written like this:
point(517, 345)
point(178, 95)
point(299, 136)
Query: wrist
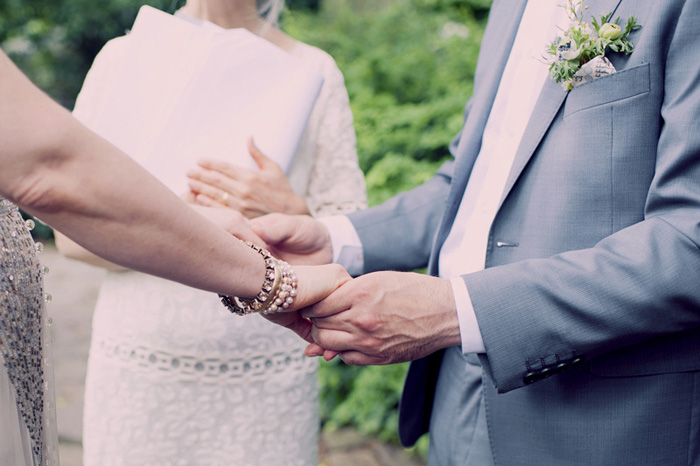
point(277, 293)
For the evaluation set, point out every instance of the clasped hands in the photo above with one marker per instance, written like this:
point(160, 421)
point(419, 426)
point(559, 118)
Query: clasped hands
point(378, 318)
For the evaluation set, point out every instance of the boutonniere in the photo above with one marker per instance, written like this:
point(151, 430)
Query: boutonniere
point(579, 53)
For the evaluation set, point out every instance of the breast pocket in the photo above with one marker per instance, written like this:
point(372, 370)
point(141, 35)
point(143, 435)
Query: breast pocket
point(614, 87)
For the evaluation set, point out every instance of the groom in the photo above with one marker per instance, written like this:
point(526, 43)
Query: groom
point(566, 326)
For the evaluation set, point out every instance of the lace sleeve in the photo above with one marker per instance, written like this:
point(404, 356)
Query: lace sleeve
point(336, 184)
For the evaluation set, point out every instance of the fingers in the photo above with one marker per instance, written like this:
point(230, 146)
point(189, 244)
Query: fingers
point(213, 180)
point(294, 322)
point(216, 194)
point(206, 201)
point(189, 197)
point(350, 357)
point(325, 313)
point(275, 228)
point(317, 282)
point(222, 167)
point(260, 159)
point(298, 239)
point(314, 350)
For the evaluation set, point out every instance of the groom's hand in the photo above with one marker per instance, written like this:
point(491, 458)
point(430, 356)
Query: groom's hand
point(385, 318)
point(298, 239)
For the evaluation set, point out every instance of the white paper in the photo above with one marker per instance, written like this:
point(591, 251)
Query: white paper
point(185, 91)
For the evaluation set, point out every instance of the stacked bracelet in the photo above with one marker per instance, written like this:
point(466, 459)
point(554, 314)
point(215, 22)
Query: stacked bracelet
point(277, 292)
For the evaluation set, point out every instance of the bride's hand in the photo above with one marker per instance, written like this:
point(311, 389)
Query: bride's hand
point(314, 284)
point(253, 193)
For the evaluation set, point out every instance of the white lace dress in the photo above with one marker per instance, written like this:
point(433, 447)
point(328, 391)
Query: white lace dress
point(173, 378)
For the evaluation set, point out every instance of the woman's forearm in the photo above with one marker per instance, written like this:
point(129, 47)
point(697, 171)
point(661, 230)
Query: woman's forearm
point(73, 250)
point(56, 169)
point(230, 220)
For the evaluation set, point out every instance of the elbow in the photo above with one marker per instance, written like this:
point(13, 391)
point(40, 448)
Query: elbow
point(42, 193)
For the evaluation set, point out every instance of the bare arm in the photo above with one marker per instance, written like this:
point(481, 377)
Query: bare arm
point(231, 221)
point(56, 169)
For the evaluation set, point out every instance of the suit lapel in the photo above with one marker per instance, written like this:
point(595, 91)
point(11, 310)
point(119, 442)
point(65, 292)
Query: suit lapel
point(496, 45)
point(548, 104)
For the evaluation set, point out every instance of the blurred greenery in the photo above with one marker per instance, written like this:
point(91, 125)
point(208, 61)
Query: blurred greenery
point(408, 66)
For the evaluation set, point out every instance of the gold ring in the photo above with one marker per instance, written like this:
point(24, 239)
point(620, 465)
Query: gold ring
point(224, 198)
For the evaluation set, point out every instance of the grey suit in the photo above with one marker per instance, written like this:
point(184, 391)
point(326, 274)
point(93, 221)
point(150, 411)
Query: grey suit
point(592, 323)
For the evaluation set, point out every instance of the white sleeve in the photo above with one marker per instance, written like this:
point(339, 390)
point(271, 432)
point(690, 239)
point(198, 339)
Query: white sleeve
point(347, 248)
point(472, 341)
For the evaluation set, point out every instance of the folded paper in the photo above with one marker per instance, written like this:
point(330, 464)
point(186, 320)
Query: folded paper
point(180, 91)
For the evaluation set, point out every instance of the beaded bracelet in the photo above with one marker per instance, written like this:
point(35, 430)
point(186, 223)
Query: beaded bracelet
point(277, 292)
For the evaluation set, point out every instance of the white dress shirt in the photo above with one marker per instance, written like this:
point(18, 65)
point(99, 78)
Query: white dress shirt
point(464, 250)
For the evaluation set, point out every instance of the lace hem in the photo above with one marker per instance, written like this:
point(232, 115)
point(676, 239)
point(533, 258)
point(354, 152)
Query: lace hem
point(213, 370)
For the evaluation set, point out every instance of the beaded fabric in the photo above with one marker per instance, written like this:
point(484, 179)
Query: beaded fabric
point(21, 325)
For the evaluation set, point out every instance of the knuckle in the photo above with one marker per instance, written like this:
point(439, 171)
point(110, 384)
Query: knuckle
point(247, 191)
point(368, 323)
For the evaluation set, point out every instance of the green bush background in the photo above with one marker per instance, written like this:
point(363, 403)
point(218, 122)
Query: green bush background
point(408, 67)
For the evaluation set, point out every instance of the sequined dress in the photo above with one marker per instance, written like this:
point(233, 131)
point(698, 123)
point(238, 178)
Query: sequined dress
point(27, 421)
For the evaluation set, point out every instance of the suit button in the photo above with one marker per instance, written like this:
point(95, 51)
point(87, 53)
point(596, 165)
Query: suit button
point(561, 367)
point(530, 378)
point(577, 362)
point(546, 373)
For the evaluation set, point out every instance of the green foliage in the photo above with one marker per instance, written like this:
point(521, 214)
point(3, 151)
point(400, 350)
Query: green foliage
point(397, 173)
point(408, 67)
point(55, 42)
point(366, 398)
point(370, 397)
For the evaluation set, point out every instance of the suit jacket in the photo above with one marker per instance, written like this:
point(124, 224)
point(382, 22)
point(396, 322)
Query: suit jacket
point(591, 323)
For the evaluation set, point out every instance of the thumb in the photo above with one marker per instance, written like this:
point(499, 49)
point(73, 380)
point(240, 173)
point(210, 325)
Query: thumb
point(261, 160)
point(314, 350)
point(317, 282)
point(274, 229)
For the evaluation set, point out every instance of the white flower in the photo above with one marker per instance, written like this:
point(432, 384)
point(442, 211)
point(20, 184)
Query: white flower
point(568, 52)
point(587, 29)
point(610, 31)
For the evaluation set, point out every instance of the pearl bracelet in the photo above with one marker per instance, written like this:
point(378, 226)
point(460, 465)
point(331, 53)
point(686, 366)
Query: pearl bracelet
point(277, 292)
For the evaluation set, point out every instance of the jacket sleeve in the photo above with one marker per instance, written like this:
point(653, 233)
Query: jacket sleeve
point(399, 234)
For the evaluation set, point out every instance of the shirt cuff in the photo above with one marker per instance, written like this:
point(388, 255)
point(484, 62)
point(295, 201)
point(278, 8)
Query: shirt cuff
point(472, 341)
point(346, 244)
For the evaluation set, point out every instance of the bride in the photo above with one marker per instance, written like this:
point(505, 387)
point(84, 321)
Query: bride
point(57, 170)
